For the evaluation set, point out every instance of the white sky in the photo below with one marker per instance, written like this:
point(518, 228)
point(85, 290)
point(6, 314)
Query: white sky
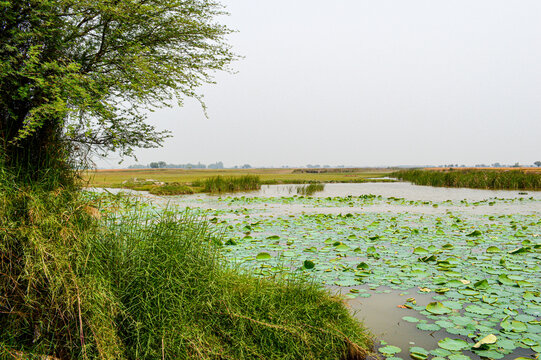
point(368, 83)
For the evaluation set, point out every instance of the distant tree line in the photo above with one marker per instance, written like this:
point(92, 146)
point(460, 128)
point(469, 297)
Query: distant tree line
point(164, 165)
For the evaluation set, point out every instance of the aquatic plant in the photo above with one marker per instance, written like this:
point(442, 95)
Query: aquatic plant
point(310, 189)
point(222, 184)
point(171, 189)
point(481, 271)
point(477, 179)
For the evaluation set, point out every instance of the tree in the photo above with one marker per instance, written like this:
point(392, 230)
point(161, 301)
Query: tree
point(78, 75)
point(537, 163)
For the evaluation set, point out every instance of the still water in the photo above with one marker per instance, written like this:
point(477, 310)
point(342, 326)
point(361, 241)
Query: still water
point(460, 199)
point(381, 312)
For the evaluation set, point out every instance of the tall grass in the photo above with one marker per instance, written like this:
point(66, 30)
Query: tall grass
point(222, 184)
point(136, 285)
point(311, 189)
point(477, 179)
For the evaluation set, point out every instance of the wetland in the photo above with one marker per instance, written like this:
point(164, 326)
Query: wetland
point(433, 272)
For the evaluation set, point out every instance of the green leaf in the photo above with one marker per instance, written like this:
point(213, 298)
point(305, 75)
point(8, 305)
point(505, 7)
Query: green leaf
point(476, 309)
point(437, 308)
point(453, 344)
point(428, 327)
point(263, 256)
point(410, 319)
point(514, 326)
point(389, 350)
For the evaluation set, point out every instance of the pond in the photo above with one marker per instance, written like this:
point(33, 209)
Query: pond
point(431, 271)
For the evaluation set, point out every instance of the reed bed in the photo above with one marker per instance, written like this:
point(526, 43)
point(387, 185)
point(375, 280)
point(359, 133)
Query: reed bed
point(222, 184)
point(476, 179)
point(310, 189)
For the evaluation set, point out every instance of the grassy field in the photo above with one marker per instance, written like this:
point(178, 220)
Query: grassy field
point(114, 178)
point(486, 178)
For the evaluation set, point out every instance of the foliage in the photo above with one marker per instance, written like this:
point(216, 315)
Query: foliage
point(50, 302)
point(80, 72)
point(109, 178)
point(477, 179)
point(208, 310)
point(171, 189)
point(310, 189)
point(220, 184)
point(146, 285)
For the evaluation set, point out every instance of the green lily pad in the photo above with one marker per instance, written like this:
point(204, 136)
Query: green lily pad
point(453, 344)
point(428, 327)
point(410, 319)
point(263, 256)
point(389, 350)
point(437, 308)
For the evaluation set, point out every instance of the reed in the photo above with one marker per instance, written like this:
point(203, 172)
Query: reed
point(222, 184)
point(476, 179)
point(310, 189)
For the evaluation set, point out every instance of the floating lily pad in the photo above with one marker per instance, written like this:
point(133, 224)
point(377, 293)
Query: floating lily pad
point(437, 308)
point(389, 350)
point(453, 344)
point(263, 256)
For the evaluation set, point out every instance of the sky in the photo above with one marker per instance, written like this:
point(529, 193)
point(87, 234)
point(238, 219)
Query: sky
point(367, 83)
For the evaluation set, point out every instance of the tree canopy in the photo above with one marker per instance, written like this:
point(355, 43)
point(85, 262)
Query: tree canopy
point(83, 72)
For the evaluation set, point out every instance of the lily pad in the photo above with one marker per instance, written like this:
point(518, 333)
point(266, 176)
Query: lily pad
point(263, 256)
point(437, 308)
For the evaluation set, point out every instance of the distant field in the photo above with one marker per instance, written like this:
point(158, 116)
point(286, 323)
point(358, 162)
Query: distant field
point(114, 178)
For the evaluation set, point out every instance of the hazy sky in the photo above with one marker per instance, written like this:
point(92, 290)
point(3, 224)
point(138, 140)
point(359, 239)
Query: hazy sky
point(368, 83)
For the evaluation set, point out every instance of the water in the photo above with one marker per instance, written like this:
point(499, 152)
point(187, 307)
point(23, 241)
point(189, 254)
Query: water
point(403, 190)
point(380, 312)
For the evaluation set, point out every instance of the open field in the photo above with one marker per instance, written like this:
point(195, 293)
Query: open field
point(114, 178)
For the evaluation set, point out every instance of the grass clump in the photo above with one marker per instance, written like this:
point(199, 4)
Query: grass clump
point(51, 303)
point(222, 184)
point(476, 179)
point(185, 302)
point(311, 189)
point(171, 189)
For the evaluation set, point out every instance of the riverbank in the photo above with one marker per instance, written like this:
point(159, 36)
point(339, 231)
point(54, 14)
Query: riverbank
point(91, 276)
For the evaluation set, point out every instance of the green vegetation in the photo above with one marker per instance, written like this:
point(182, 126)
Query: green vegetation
point(476, 179)
point(482, 272)
point(222, 184)
point(124, 178)
point(80, 281)
point(171, 189)
point(83, 284)
point(82, 72)
point(311, 189)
